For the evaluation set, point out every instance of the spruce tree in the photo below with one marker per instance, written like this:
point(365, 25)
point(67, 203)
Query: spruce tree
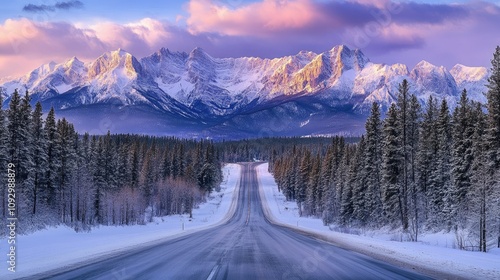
point(493, 97)
point(427, 156)
point(3, 153)
point(39, 154)
point(26, 141)
point(14, 129)
point(392, 168)
point(462, 157)
point(67, 160)
point(53, 158)
point(358, 183)
point(345, 193)
point(339, 203)
point(303, 178)
point(312, 189)
point(479, 196)
point(441, 196)
point(414, 123)
point(493, 139)
point(326, 180)
point(372, 162)
point(20, 150)
point(403, 121)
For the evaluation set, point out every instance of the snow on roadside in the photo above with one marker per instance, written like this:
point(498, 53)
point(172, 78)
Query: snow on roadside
point(57, 247)
point(469, 265)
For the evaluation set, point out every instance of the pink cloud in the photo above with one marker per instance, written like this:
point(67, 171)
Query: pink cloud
point(27, 42)
point(259, 18)
point(57, 41)
point(385, 31)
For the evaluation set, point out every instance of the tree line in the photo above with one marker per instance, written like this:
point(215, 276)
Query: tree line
point(418, 169)
point(88, 180)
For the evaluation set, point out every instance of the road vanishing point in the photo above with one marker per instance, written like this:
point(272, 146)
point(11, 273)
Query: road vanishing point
point(247, 246)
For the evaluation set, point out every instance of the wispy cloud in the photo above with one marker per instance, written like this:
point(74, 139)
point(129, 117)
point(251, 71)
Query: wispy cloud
point(69, 5)
point(73, 4)
point(32, 8)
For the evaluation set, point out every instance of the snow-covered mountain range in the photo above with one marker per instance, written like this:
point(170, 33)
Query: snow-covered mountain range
point(306, 93)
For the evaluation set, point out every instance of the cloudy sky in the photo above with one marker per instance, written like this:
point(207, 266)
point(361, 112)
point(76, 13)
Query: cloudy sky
point(441, 32)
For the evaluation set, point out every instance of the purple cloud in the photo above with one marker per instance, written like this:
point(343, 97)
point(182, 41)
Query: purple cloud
point(38, 8)
point(73, 4)
point(384, 30)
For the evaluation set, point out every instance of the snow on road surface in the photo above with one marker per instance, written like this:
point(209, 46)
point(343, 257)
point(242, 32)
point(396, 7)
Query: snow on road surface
point(54, 248)
point(424, 254)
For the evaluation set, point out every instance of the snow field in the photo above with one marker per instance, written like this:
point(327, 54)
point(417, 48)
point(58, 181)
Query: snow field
point(58, 247)
point(433, 254)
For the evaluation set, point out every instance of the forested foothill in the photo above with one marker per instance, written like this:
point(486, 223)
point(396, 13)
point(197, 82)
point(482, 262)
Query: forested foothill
point(82, 181)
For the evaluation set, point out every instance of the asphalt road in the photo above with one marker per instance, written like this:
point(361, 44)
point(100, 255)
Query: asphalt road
point(248, 246)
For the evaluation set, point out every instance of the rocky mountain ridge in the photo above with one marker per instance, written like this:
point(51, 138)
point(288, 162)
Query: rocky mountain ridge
point(213, 92)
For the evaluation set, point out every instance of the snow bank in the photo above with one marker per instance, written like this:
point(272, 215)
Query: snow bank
point(430, 255)
point(57, 247)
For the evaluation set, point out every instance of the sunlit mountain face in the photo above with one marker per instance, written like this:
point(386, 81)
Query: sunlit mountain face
point(197, 95)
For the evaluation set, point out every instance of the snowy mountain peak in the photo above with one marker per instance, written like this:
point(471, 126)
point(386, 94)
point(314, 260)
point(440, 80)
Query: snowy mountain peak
point(425, 65)
point(400, 69)
point(430, 78)
point(351, 59)
point(39, 73)
point(73, 60)
point(73, 64)
point(115, 61)
point(473, 79)
point(199, 53)
point(462, 73)
point(340, 49)
point(199, 85)
point(163, 52)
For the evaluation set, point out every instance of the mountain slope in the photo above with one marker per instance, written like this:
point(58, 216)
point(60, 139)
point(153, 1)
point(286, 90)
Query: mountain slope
point(303, 93)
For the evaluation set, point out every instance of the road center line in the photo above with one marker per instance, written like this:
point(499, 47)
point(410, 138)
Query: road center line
point(212, 273)
point(248, 205)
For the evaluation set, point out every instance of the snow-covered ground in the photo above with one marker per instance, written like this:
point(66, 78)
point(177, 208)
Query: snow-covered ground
point(434, 252)
point(62, 246)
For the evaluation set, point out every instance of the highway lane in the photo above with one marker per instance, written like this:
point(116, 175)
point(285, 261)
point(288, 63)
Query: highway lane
point(248, 246)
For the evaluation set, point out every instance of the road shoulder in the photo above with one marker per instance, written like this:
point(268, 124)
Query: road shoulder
point(436, 262)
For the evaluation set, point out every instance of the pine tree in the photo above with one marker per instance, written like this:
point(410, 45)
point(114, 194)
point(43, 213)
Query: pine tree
point(333, 180)
point(403, 121)
point(493, 140)
point(67, 159)
point(391, 168)
point(303, 178)
point(39, 154)
point(358, 182)
point(146, 182)
point(372, 162)
point(14, 117)
point(441, 197)
point(82, 180)
point(135, 165)
point(98, 181)
point(326, 183)
point(312, 190)
point(53, 158)
point(427, 156)
point(21, 149)
point(414, 123)
point(345, 187)
point(478, 197)
point(462, 157)
point(493, 97)
point(26, 139)
point(3, 153)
